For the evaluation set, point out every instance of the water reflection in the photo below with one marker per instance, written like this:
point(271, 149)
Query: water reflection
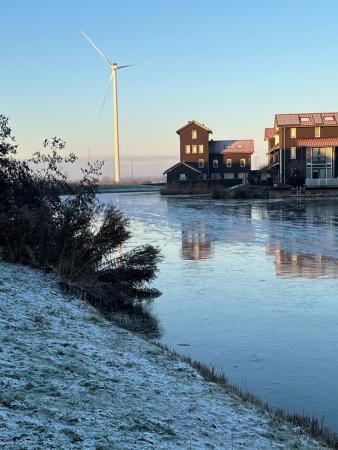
point(301, 236)
point(196, 243)
point(318, 212)
point(279, 334)
point(303, 239)
point(302, 265)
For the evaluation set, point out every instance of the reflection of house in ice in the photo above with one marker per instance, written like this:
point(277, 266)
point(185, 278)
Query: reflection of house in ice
point(195, 242)
point(306, 229)
point(205, 226)
point(303, 265)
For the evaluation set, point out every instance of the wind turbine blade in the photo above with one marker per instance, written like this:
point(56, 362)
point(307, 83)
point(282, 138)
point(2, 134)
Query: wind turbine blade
point(137, 64)
point(97, 49)
point(106, 94)
point(129, 65)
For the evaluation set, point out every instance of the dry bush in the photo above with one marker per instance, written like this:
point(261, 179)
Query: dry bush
point(71, 234)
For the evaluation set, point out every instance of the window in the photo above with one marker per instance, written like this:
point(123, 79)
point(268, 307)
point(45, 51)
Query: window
point(308, 171)
point(242, 162)
point(187, 149)
point(243, 176)
point(215, 163)
point(328, 118)
point(229, 176)
point(329, 155)
point(293, 153)
point(319, 162)
point(305, 119)
point(317, 131)
point(194, 134)
point(229, 162)
point(239, 146)
point(215, 176)
point(315, 154)
point(183, 177)
point(200, 148)
point(293, 132)
point(200, 163)
point(194, 149)
point(318, 154)
point(308, 155)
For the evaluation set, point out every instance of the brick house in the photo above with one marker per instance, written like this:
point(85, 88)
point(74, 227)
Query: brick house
point(303, 149)
point(202, 158)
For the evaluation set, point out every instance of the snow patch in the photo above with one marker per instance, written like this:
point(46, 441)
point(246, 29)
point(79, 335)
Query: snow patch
point(71, 380)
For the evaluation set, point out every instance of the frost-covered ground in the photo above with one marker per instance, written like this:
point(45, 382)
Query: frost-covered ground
point(71, 380)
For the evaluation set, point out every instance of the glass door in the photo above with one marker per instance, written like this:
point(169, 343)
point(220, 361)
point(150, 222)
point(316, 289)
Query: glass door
point(319, 163)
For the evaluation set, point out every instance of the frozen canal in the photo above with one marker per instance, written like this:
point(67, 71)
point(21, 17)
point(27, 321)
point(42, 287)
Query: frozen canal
point(250, 288)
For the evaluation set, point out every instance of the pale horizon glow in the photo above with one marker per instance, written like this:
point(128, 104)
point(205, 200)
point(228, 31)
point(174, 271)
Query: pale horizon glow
point(230, 66)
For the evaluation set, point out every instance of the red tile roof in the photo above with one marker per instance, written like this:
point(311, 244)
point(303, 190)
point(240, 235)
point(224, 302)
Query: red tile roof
point(307, 119)
point(196, 123)
point(318, 142)
point(269, 133)
point(231, 146)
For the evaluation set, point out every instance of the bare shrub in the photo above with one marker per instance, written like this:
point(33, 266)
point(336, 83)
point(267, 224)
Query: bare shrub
point(49, 224)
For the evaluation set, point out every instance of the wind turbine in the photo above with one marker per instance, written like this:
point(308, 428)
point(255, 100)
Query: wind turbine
point(113, 78)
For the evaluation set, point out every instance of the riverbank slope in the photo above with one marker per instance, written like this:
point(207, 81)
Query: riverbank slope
point(72, 380)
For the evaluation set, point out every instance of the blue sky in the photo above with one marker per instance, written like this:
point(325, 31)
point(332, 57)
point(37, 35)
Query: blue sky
point(231, 65)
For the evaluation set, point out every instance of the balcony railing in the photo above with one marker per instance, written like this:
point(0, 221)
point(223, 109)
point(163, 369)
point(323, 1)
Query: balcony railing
point(315, 182)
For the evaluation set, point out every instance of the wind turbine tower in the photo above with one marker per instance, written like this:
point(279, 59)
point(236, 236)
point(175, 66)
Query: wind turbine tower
point(112, 80)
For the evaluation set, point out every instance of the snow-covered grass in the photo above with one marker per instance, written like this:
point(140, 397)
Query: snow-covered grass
point(71, 380)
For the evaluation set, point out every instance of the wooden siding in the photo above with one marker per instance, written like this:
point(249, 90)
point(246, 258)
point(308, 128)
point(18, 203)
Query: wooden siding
point(236, 162)
point(186, 139)
point(174, 175)
point(304, 133)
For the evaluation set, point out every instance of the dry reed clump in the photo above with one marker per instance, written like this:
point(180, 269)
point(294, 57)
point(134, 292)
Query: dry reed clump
point(310, 425)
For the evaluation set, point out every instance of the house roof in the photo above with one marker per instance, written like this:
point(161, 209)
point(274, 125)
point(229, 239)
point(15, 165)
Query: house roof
point(201, 125)
point(182, 164)
point(318, 142)
point(269, 133)
point(307, 119)
point(231, 146)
